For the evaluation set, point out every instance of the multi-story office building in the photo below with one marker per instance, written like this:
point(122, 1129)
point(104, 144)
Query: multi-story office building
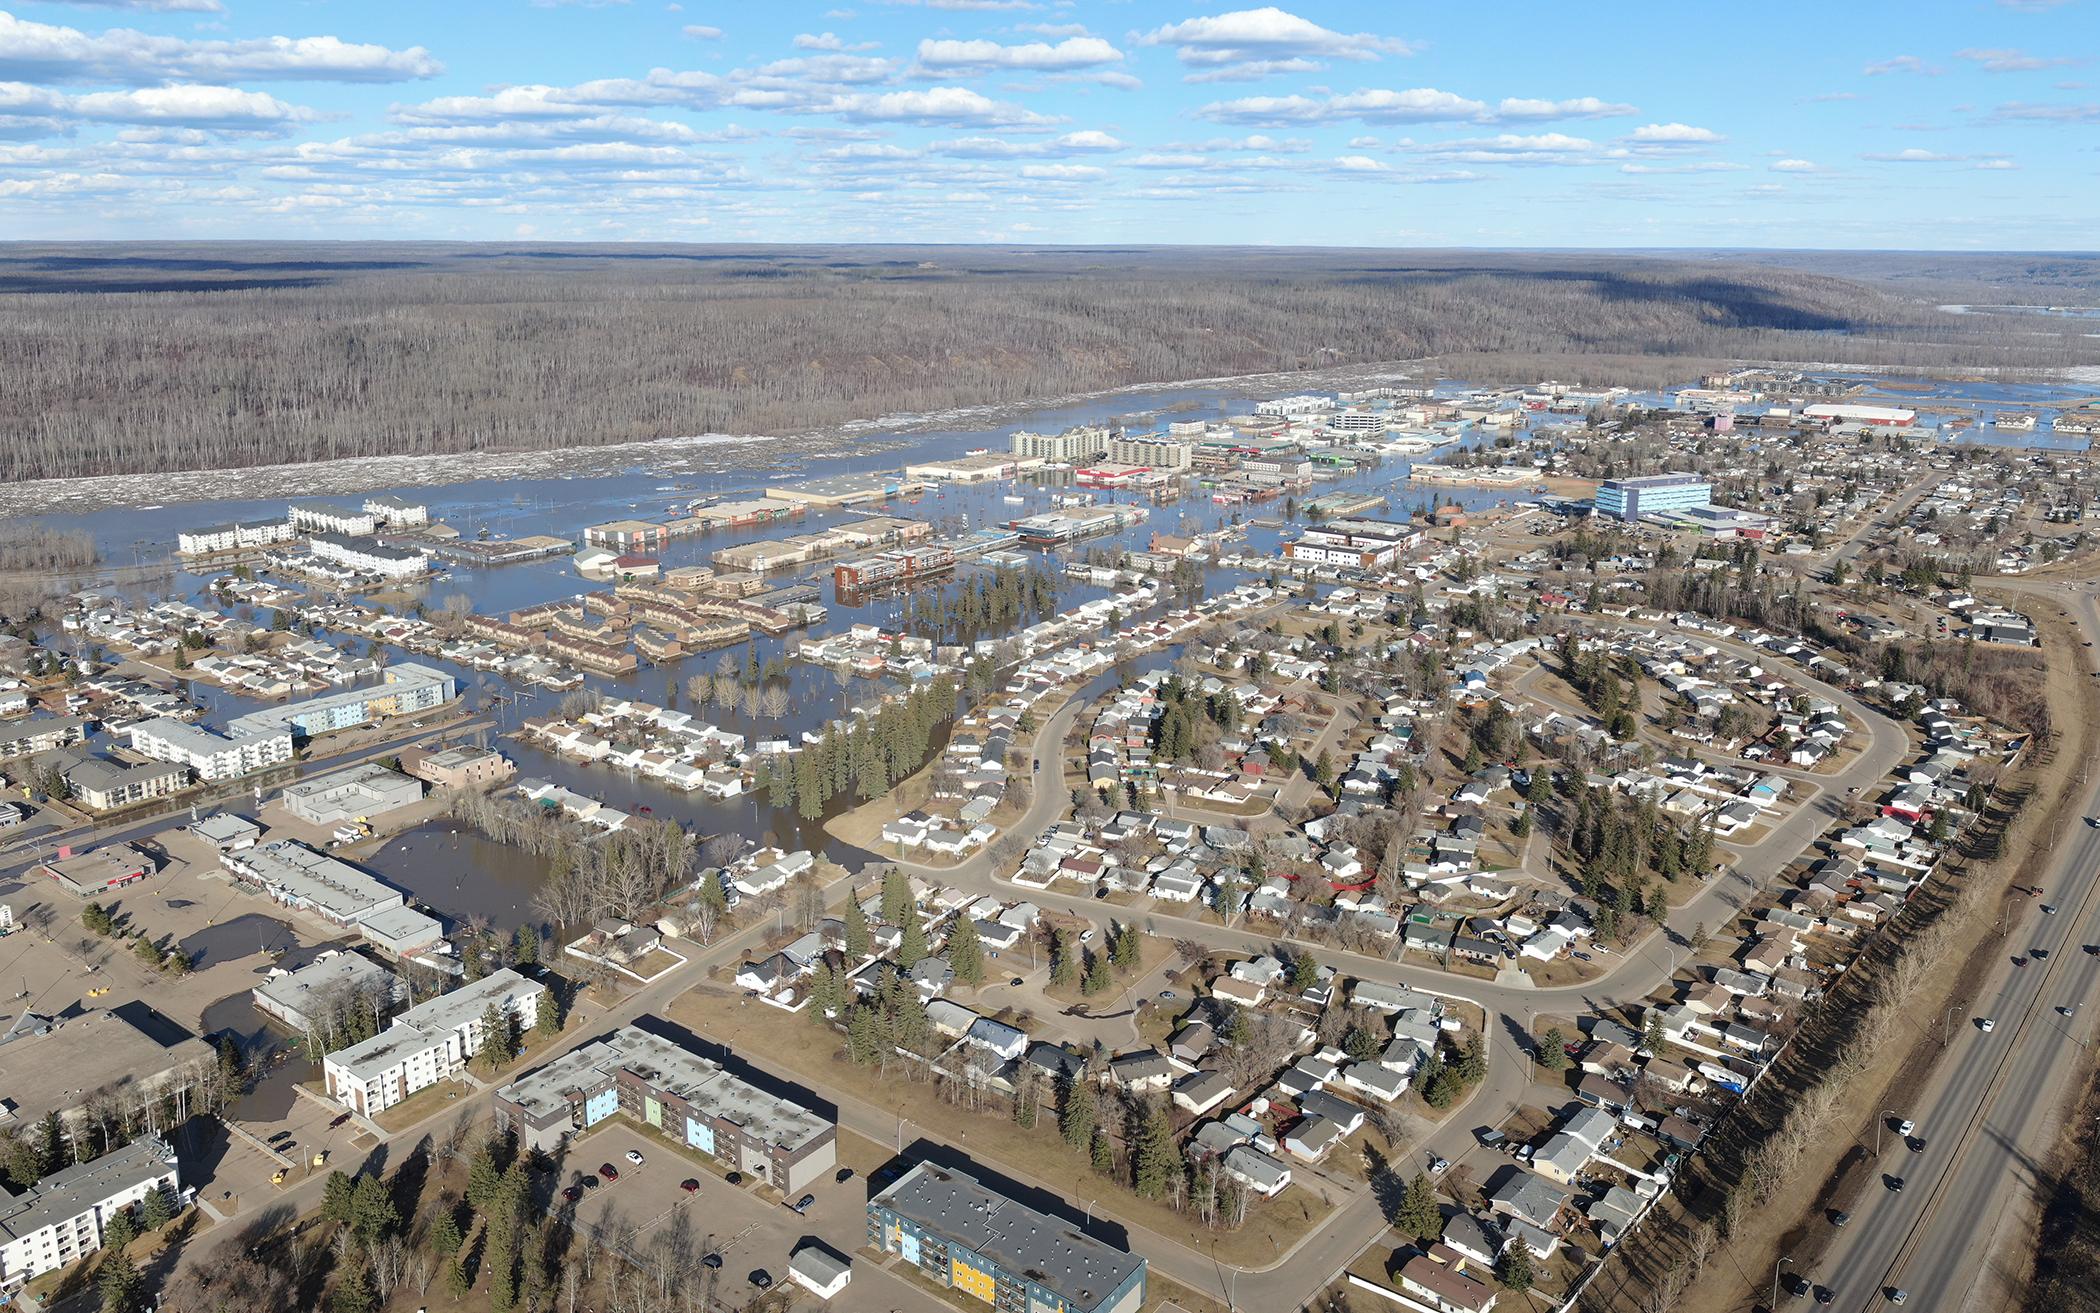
point(428, 1043)
point(679, 1094)
point(1074, 446)
point(1630, 499)
point(61, 1219)
point(964, 1236)
point(408, 688)
point(212, 756)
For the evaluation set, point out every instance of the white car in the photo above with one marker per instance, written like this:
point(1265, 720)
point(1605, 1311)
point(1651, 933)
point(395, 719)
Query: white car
point(1906, 1126)
point(1986, 1025)
point(635, 1156)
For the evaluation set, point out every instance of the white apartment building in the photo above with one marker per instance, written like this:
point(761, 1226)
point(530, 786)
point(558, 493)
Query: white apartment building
point(1155, 453)
point(1075, 445)
point(1299, 407)
point(428, 1043)
point(226, 537)
point(60, 1219)
point(357, 554)
point(324, 517)
point(1359, 421)
point(213, 756)
point(397, 512)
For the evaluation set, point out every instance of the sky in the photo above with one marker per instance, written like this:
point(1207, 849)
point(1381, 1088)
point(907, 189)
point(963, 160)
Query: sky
point(1927, 124)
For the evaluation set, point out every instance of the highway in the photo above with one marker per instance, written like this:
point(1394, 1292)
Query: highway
point(1990, 1116)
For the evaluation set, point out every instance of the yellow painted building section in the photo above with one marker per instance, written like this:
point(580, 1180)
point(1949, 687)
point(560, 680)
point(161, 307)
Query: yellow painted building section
point(964, 1277)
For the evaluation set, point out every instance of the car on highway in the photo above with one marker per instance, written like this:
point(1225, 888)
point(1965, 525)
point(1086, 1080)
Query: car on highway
point(635, 1156)
point(1894, 1183)
point(1838, 1217)
point(1897, 1295)
point(2038, 954)
point(1905, 1126)
point(2063, 1012)
point(1986, 1025)
point(608, 1171)
point(2048, 909)
point(2092, 950)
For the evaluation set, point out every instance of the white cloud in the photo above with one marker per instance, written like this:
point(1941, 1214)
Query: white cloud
point(1084, 142)
point(1996, 164)
point(1416, 105)
point(931, 105)
point(2088, 113)
point(1360, 164)
point(1036, 56)
point(2012, 61)
point(1253, 43)
point(1793, 166)
point(1063, 172)
point(188, 105)
point(1053, 29)
point(831, 41)
point(702, 32)
point(1674, 134)
point(1912, 155)
point(1683, 166)
point(1901, 64)
point(1514, 109)
point(154, 6)
point(45, 52)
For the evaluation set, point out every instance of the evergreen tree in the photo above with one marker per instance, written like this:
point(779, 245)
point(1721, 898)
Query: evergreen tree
point(1157, 1159)
point(372, 1213)
point(858, 941)
point(483, 1178)
point(965, 951)
point(525, 951)
point(1104, 1153)
point(122, 1286)
point(1513, 1268)
point(1124, 951)
point(1553, 1051)
point(1097, 978)
point(120, 1230)
point(354, 1293)
point(1472, 1060)
point(1419, 1215)
point(156, 1210)
point(896, 896)
point(912, 950)
point(548, 1022)
point(1075, 1112)
point(1362, 1043)
point(336, 1196)
point(445, 1238)
point(1064, 969)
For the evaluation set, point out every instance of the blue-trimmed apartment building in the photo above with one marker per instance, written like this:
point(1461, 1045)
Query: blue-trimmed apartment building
point(404, 690)
point(1630, 499)
point(964, 1236)
point(678, 1094)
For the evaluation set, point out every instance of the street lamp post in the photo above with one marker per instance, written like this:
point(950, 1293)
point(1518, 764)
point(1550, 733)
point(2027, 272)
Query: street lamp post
point(1880, 1122)
point(1775, 1277)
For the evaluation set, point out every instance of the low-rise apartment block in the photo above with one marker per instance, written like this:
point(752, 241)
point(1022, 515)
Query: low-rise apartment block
point(213, 756)
point(326, 517)
point(965, 1236)
point(678, 1093)
point(407, 689)
point(61, 1219)
point(428, 1043)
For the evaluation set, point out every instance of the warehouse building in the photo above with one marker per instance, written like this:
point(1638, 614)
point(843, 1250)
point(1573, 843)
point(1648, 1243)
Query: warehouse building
point(962, 1235)
point(679, 1094)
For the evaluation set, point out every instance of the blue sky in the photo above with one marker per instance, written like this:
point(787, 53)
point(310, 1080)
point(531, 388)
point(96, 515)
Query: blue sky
point(1942, 124)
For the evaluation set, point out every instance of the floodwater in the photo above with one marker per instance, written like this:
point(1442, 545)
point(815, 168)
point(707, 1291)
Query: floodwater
point(242, 937)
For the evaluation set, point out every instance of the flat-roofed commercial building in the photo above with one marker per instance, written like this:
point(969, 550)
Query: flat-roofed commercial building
point(962, 1235)
point(299, 877)
point(61, 1219)
point(678, 1093)
point(459, 768)
point(309, 995)
point(1358, 544)
point(1153, 453)
point(628, 536)
point(354, 793)
point(430, 1042)
point(1630, 499)
point(407, 688)
point(213, 756)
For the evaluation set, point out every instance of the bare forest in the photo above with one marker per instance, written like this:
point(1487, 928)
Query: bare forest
point(123, 359)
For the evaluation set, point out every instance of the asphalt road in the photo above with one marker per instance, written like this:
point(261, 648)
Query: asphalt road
point(1990, 1115)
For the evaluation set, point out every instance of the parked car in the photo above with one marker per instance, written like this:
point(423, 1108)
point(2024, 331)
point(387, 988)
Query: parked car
point(713, 1262)
point(1439, 1166)
point(1897, 1295)
point(762, 1279)
point(735, 1178)
point(1838, 1217)
point(608, 1171)
point(635, 1156)
point(843, 1175)
point(588, 1182)
point(802, 1205)
point(690, 1185)
point(573, 1193)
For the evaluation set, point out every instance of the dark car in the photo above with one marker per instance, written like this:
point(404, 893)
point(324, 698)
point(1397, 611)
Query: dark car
point(589, 1183)
point(573, 1193)
point(1894, 1183)
point(689, 1185)
point(339, 1121)
point(735, 1178)
point(1796, 1284)
point(1015, 981)
point(1825, 1295)
point(843, 1175)
point(762, 1279)
point(608, 1171)
point(713, 1262)
point(1838, 1217)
